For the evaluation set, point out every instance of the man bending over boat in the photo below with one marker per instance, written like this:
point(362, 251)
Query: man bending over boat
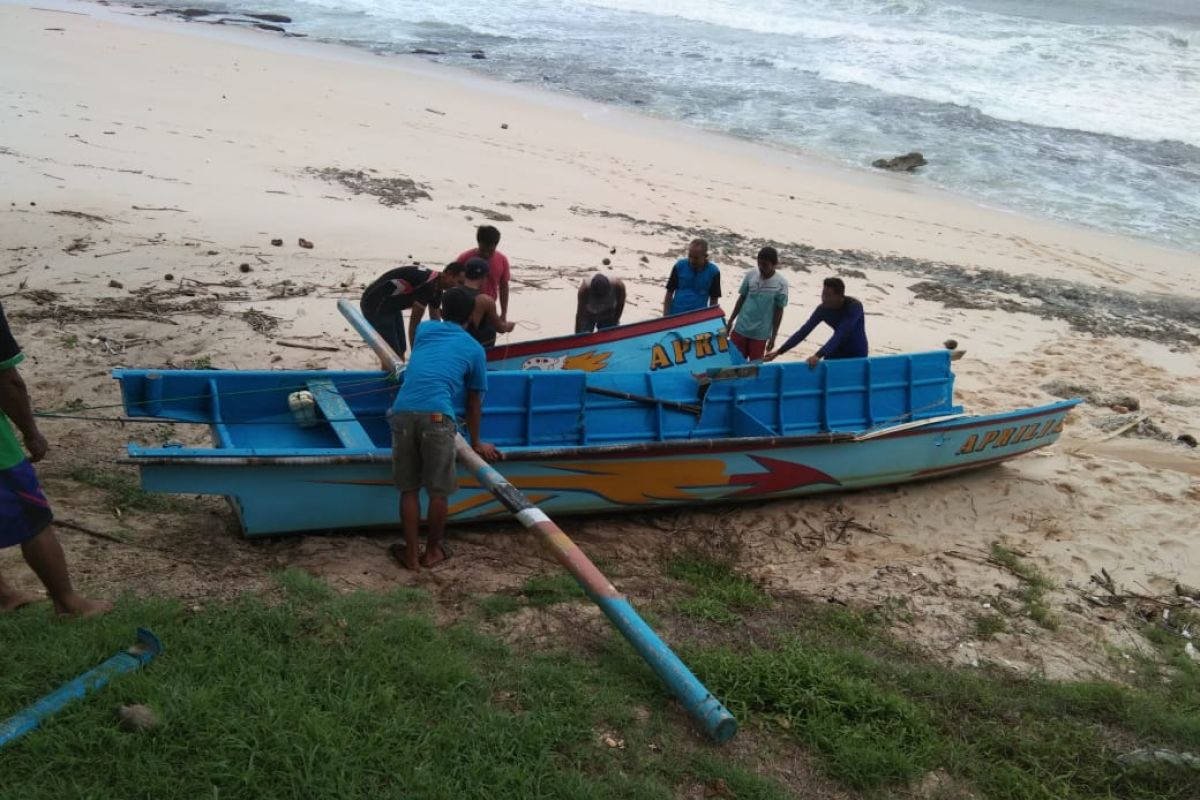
point(445, 362)
point(843, 314)
point(600, 304)
point(485, 322)
point(759, 309)
point(395, 291)
point(695, 281)
point(25, 515)
point(495, 286)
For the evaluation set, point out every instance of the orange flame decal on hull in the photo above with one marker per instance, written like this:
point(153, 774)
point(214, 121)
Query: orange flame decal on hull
point(591, 361)
point(647, 482)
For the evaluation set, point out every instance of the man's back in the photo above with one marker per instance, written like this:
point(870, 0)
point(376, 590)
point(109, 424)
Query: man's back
point(445, 361)
point(396, 290)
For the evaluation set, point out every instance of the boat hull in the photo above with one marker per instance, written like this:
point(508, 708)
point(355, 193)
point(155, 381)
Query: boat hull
point(285, 494)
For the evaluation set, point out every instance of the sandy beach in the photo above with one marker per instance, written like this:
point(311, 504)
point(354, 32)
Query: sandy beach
point(148, 163)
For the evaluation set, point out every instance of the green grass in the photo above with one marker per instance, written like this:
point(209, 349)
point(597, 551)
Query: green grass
point(986, 626)
point(304, 692)
point(1034, 585)
point(879, 716)
point(548, 588)
point(718, 592)
point(309, 694)
point(123, 492)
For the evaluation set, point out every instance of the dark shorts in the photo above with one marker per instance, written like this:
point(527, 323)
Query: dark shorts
point(24, 510)
point(423, 454)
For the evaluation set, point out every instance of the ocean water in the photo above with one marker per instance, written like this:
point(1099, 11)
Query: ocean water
point(1080, 110)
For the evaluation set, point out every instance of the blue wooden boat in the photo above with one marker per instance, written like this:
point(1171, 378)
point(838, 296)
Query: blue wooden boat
point(693, 340)
point(578, 442)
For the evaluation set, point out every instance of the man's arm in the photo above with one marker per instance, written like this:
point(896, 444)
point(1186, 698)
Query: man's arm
point(15, 403)
point(672, 285)
point(714, 290)
point(799, 336)
point(414, 319)
point(504, 297)
point(581, 323)
point(775, 327)
point(474, 417)
point(620, 290)
point(737, 309)
point(502, 325)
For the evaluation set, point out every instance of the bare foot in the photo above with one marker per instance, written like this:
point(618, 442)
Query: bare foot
point(15, 600)
point(401, 556)
point(76, 605)
point(434, 555)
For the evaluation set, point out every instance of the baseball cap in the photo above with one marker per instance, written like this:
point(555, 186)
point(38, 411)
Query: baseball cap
point(475, 268)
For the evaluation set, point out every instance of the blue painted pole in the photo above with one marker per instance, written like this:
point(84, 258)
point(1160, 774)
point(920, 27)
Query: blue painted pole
point(706, 709)
point(148, 646)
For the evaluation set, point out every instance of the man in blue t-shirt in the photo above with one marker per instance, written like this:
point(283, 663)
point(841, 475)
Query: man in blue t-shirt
point(25, 516)
point(844, 315)
point(695, 281)
point(445, 361)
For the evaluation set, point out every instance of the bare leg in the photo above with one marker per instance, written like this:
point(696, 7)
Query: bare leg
point(11, 599)
point(410, 515)
point(45, 556)
point(434, 552)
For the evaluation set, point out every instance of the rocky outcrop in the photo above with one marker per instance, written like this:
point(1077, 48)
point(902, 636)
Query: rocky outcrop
point(905, 163)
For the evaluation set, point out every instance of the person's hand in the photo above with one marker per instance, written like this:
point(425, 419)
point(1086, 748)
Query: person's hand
point(812, 361)
point(488, 452)
point(506, 326)
point(771, 346)
point(37, 446)
point(771, 355)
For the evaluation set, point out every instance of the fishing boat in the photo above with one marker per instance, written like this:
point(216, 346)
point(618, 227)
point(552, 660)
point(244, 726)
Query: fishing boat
point(577, 442)
point(693, 339)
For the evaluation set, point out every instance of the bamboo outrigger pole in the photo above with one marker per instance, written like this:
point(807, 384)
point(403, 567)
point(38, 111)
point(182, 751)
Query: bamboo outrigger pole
point(706, 709)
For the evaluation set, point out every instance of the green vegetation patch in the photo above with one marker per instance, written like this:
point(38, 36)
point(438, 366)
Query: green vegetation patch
point(718, 591)
point(1034, 585)
point(123, 492)
point(307, 693)
point(880, 715)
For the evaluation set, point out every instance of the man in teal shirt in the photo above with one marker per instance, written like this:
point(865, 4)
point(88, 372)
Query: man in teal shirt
point(445, 361)
point(695, 281)
point(25, 515)
point(759, 309)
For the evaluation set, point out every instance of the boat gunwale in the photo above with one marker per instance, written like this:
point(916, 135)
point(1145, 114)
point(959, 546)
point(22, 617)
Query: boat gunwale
point(621, 332)
point(726, 444)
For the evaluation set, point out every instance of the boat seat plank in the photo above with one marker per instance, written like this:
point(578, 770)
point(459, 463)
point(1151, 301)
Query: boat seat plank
point(337, 412)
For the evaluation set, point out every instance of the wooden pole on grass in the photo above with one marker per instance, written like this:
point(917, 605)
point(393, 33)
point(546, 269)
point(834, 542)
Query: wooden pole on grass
point(706, 709)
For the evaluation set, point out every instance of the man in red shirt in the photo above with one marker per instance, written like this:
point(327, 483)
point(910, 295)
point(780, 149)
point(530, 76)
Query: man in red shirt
point(496, 285)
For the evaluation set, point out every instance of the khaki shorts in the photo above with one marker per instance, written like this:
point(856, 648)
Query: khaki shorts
point(423, 453)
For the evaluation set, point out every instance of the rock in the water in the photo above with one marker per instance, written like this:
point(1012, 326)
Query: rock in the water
point(262, 26)
point(950, 344)
point(137, 718)
point(1186, 438)
point(306, 244)
point(905, 163)
point(277, 242)
point(270, 17)
point(478, 55)
point(425, 51)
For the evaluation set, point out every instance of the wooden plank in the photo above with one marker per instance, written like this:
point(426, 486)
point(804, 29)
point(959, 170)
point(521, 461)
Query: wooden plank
point(337, 412)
